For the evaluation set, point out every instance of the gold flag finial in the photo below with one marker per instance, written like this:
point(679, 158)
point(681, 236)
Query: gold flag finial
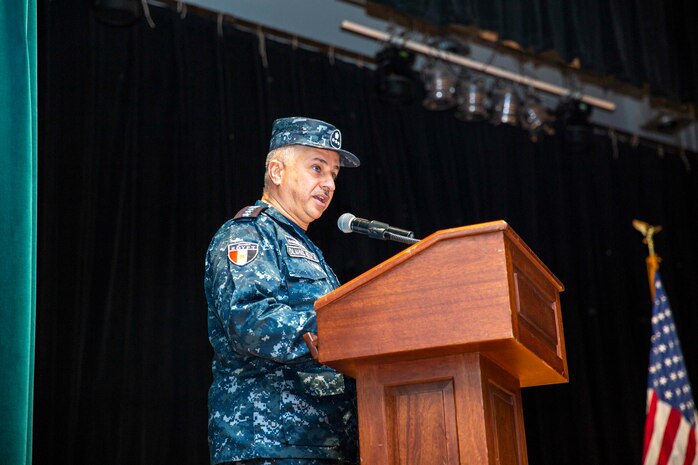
point(652, 260)
point(648, 231)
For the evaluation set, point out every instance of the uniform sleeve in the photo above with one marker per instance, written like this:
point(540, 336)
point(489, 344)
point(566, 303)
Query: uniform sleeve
point(250, 301)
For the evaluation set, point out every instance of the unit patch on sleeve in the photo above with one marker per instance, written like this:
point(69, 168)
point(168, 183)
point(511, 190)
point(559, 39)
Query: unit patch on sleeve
point(294, 248)
point(241, 253)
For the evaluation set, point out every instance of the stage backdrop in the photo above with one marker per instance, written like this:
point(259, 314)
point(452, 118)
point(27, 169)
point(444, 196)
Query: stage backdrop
point(152, 138)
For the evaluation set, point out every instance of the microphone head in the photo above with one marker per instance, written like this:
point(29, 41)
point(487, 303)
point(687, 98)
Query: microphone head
point(344, 222)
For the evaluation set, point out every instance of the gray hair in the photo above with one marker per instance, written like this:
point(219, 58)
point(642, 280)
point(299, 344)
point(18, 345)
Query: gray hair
point(283, 154)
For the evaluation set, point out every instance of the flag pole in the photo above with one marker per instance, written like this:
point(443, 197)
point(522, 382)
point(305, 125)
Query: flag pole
point(652, 260)
point(671, 417)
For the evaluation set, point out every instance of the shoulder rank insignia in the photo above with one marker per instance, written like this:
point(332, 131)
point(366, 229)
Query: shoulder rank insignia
point(250, 212)
point(241, 253)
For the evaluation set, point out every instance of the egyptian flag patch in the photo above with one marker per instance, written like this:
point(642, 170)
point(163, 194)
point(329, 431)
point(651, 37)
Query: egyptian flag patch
point(241, 253)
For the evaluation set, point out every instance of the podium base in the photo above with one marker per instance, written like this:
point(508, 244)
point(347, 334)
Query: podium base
point(452, 410)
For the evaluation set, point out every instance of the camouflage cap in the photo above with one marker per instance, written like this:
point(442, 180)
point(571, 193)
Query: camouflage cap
point(297, 130)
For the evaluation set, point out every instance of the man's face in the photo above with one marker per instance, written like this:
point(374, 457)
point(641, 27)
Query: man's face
point(307, 184)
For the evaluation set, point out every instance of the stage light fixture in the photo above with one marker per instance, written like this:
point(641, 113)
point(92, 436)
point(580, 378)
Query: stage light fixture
point(505, 105)
point(536, 118)
point(573, 119)
point(440, 86)
point(472, 99)
point(396, 81)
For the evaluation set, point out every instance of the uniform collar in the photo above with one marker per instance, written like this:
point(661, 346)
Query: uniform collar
point(281, 219)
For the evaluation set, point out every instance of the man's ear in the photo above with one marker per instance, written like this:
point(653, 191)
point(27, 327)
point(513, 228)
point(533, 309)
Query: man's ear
point(275, 170)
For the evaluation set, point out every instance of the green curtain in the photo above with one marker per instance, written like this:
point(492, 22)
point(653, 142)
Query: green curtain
point(18, 178)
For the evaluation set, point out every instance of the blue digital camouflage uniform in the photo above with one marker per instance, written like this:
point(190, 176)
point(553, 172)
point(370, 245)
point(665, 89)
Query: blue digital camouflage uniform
point(269, 398)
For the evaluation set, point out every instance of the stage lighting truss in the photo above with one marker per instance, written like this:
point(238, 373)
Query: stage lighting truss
point(670, 121)
point(447, 85)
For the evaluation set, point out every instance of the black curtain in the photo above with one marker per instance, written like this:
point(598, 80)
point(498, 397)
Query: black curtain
point(150, 138)
point(646, 43)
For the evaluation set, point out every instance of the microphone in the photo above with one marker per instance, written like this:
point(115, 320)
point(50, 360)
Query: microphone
point(375, 229)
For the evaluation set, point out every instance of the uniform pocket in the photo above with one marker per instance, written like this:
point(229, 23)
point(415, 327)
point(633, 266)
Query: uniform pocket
point(307, 281)
point(312, 421)
point(326, 383)
point(304, 269)
point(315, 406)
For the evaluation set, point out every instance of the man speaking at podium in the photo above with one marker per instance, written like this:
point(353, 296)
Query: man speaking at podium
point(270, 402)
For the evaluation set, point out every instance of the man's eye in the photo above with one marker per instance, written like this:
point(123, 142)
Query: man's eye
point(317, 168)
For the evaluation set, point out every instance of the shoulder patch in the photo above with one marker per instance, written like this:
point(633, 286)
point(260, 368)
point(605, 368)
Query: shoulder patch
point(241, 253)
point(252, 211)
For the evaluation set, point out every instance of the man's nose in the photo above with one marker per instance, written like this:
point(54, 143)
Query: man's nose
point(329, 183)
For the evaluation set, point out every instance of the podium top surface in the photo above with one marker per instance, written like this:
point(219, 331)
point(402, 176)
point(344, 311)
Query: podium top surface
point(441, 235)
point(471, 288)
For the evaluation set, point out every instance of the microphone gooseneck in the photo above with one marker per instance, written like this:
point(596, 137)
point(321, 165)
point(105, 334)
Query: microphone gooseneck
point(348, 223)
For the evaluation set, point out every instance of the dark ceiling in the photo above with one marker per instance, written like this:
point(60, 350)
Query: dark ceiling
point(631, 46)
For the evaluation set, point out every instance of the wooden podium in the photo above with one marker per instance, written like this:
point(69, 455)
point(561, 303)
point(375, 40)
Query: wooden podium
point(440, 338)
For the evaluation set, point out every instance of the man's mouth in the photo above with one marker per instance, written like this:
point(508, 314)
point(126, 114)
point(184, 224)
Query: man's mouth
point(321, 198)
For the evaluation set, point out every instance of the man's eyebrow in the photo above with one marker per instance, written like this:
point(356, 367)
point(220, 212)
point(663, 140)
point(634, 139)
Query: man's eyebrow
point(323, 161)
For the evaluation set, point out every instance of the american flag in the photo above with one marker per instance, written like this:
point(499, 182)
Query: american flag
point(670, 426)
